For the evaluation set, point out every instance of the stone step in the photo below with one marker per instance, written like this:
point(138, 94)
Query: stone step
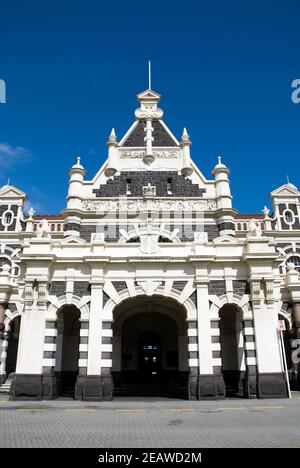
point(5, 388)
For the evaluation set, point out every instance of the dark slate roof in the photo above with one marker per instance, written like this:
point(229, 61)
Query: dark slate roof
point(160, 135)
point(181, 187)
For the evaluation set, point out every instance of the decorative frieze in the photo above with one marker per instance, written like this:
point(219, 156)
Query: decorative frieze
point(103, 206)
point(126, 153)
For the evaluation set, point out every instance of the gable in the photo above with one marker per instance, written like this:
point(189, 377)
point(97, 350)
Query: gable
point(285, 190)
point(160, 135)
point(11, 192)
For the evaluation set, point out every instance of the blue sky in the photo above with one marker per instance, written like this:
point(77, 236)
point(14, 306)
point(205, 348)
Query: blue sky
point(224, 68)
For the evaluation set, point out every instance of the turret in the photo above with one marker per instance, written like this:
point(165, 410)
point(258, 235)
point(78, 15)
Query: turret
point(74, 198)
point(185, 145)
point(76, 174)
point(224, 199)
point(112, 144)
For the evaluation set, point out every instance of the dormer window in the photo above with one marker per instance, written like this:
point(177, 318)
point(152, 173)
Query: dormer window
point(289, 217)
point(7, 218)
point(169, 187)
point(128, 187)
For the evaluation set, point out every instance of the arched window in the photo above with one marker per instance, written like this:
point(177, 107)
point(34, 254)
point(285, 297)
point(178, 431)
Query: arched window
point(295, 260)
point(4, 261)
point(289, 217)
point(164, 239)
point(134, 239)
point(8, 217)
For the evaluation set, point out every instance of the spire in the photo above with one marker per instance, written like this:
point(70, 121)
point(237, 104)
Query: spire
point(78, 164)
point(112, 144)
point(112, 137)
point(185, 135)
point(289, 184)
point(149, 74)
point(185, 145)
point(219, 165)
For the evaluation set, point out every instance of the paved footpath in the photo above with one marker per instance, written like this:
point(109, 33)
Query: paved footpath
point(150, 423)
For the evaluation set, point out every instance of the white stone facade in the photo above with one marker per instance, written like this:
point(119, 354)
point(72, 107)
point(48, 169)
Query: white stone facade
point(149, 282)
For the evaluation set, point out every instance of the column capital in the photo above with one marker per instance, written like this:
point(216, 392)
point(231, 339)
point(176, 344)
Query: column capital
point(97, 283)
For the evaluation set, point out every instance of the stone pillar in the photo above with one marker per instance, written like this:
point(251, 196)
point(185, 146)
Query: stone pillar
point(96, 385)
point(295, 377)
point(249, 383)
point(51, 357)
point(89, 386)
point(28, 380)
point(210, 386)
point(94, 343)
point(3, 306)
point(192, 332)
point(271, 379)
point(106, 361)
point(3, 355)
point(3, 342)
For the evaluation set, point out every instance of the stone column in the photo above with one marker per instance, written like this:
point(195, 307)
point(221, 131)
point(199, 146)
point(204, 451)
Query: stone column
point(271, 379)
point(28, 381)
point(3, 355)
point(192, 332)
point(295, 377)
point(89, 387)
point(209, 385)
point(3, 306)
point(3, 342)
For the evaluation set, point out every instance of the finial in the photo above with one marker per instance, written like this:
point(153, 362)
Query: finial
point(288, 179)
point(185, 135)
point(31, 212)
point(112, 139)
point(112, 135)
point(219, 159)
point(266, 211)
point(8, 181)
point(149, 73)
point(78, 160)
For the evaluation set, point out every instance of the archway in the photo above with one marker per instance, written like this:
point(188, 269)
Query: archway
point(12, 346)
point(232, 349)
point(67, 350)
point(150, 348)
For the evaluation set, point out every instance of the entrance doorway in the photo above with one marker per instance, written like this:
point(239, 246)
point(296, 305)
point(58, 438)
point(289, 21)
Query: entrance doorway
point(67, 350)
point(150, 356)
point(12, 346)
point(232, 349)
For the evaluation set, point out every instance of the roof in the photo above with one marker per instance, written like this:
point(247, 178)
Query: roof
point(249, 216)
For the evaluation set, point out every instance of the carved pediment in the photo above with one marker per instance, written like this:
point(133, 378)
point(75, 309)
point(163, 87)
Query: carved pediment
point(285, 190)
point(73, 240)
point(226, 239)
point(8, 191)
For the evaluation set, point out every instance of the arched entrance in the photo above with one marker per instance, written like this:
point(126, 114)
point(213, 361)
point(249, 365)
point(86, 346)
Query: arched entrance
point(150, 352)
point(12, 346)
point(67, 350)
point(232, 349)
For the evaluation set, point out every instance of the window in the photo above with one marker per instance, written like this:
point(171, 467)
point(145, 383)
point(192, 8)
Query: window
point(134, 239)
point(289, 217)
point(8, 217)
point(296, 261)
point(169, 186)
point(128, 187)
point(4, 261)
